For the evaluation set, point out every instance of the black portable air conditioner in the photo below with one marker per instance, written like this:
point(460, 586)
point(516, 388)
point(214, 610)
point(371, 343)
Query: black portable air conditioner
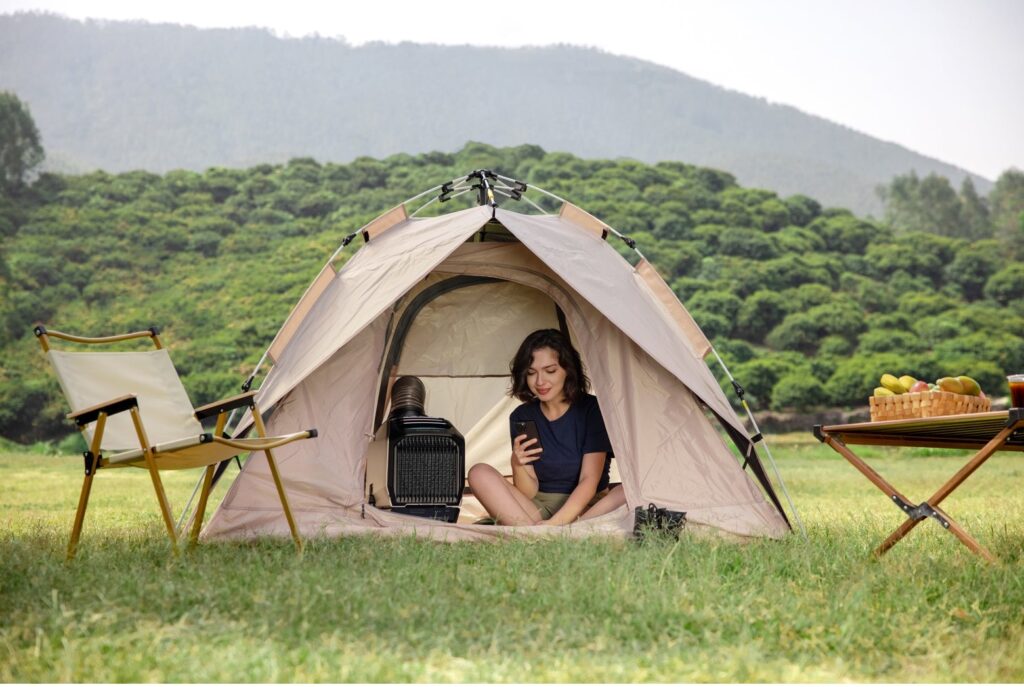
point(426, 463)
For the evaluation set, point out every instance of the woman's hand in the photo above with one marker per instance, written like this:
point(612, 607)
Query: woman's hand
point(522, 453)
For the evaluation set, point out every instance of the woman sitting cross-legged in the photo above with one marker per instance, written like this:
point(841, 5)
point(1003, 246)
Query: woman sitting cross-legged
point(562, 473)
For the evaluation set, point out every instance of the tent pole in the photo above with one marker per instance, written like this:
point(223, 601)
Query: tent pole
point(625, 239)
point(767, 450)
point(503, 190)
point(188, 505)
point(461, 190)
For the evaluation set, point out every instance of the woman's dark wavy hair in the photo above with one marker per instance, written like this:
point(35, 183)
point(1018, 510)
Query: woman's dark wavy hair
point(576, 382)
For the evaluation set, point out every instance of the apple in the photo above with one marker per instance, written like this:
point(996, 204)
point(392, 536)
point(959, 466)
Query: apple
point(919, 386)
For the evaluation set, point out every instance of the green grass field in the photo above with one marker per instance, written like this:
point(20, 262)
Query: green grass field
point(401, 610)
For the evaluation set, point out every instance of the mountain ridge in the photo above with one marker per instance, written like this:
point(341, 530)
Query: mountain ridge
point(126, 95)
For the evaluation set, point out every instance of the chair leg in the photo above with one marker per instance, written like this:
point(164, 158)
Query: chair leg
point(284, 500)
point(161, 497)
point(197, 524)
point(261, 431)
point(83, 503)
point(92, 463)
point(154, 473)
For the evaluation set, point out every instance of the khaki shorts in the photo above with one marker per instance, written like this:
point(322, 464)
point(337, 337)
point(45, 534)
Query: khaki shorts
point(548, 502)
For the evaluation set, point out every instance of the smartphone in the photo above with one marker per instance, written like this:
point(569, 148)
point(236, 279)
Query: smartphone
point(529, 428)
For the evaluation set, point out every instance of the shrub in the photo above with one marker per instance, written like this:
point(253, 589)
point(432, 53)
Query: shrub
point(317, 204)
point(841, 317)
point(720, 303)
point(802, 210)
point(836, 346)
point(790, 271)
point(734, 351)
point(686, 288)
point(747, 243)
point(760, 375)
point(917, 305)
point(771, 214)
point(889, 320)
point(798, 332)
point(871, 296)
point(799, 391)
point(760, 313)
point(714, 325)
point(205, 243)
point(972, 267)
point(806, 296)
point(882, 341)
point(1006, 285)
point(707, 236)
point(936, 329)
point(855, 378)
point(672, 222)
point(846, 234)
point(1004, 350)
point(799, 240)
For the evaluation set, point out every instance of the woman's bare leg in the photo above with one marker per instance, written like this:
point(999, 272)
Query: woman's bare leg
point(506, 504)
point(615, 498)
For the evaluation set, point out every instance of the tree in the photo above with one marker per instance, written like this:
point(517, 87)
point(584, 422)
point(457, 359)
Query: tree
point(20, 149)
point(974, 211)
point(973, 265)
point(932, 205)
point(1007, 207)
point(940, 206)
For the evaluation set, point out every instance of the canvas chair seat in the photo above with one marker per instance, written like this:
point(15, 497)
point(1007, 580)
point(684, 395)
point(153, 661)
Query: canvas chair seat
point(194, 451)
point(134, 412)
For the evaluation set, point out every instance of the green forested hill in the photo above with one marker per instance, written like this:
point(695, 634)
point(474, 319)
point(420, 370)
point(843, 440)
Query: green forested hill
point(128, 95)
point(808, 305)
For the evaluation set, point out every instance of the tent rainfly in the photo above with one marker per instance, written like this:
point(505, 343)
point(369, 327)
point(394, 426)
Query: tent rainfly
point(448, 299)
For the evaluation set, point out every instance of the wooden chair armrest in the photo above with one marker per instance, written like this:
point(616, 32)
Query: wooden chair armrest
point(262, 444)
point(225, 404)
point(111, 407)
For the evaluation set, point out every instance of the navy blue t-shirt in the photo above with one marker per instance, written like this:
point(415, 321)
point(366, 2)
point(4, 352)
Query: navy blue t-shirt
point(565, 440)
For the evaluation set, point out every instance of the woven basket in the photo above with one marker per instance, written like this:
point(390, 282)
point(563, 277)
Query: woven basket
point(925, 404)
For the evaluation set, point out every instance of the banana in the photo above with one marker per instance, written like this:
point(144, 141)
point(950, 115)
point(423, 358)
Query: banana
point(950, 384)
point(906, 381)
point(892, 384)
point(971, 387)
point(882, 391)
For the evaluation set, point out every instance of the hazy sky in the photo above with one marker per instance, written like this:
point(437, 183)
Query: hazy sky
point(942, 77)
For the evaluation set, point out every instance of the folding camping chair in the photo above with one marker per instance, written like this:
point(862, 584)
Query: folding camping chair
point(985, 433)
point(161, 431)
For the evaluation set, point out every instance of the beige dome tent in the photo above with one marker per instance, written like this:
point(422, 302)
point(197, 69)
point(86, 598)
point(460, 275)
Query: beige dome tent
point(448, 299)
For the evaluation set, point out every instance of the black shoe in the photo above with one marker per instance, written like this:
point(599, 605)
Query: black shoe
point(654, 519)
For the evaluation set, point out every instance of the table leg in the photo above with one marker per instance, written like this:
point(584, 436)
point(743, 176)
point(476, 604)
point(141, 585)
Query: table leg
point(932, 503)
point(954, 528)
point(945, 490)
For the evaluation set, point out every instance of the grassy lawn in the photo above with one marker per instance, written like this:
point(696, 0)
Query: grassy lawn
point(401, 610)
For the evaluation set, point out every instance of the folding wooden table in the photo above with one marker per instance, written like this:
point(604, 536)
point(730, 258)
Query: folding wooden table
point(984, 433)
